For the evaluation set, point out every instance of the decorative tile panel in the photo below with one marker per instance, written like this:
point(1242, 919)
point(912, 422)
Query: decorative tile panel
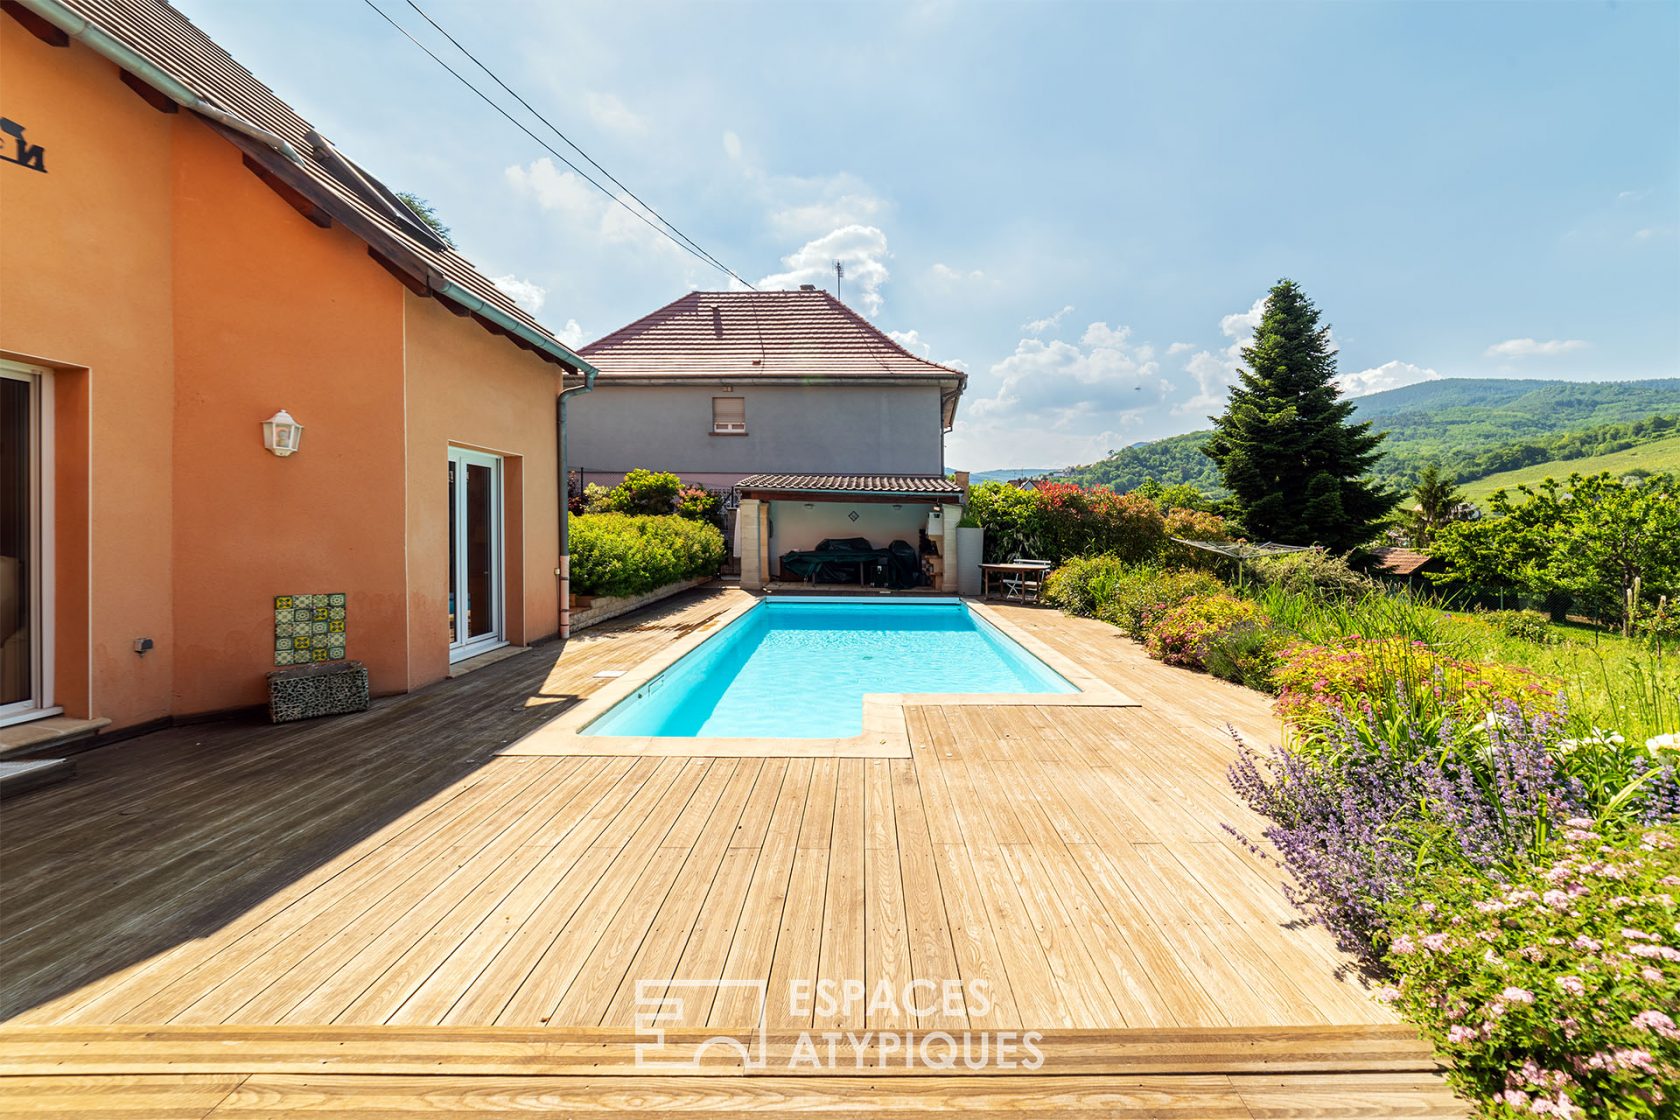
point(309, 628)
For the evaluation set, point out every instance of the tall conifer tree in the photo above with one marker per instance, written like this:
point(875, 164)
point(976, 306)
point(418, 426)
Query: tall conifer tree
point(1296, 466)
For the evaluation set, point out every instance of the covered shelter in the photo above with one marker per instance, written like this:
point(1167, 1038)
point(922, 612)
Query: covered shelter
point(793, 515)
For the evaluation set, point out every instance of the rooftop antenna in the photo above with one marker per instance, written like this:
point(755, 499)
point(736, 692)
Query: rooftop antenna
point(839, 275)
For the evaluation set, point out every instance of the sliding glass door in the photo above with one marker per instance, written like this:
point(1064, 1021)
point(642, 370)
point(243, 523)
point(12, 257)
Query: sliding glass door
point(475, 553)
point(21, 637)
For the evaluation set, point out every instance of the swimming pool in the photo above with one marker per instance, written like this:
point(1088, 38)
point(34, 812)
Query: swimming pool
point(799, 669)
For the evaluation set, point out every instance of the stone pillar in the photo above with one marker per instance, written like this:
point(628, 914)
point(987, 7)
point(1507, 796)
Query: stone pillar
point(948, 518)
point(749, 539)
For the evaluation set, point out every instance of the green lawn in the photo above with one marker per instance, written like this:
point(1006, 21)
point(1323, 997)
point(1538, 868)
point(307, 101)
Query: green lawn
point(1659, 456)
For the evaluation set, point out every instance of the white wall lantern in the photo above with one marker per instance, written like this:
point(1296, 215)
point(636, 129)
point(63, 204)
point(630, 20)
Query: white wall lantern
point(282, 434)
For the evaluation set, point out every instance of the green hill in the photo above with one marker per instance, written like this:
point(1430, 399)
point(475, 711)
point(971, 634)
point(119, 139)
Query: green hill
point(1452, 421)
point(1657, 457)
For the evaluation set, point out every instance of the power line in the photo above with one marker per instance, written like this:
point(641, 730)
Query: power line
point(552, 127)
point(684, 244)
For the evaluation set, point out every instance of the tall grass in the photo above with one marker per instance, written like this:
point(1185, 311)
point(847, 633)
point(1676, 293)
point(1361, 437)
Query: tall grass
point(1376, 614)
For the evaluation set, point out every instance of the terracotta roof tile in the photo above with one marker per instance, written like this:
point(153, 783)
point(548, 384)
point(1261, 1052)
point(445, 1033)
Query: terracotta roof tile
point(169, 41)
point(931, 485)
point(744, 335)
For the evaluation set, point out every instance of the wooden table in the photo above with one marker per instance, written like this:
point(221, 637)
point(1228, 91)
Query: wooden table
point(1018, 568)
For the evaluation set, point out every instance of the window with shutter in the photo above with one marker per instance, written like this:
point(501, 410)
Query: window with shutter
point(729, 416)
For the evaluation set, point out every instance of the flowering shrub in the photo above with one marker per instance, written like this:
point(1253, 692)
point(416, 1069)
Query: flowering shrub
point(1246, 654)
point(1059, 520)
point(1196, 525)
point(1554, 991)
point(1084, 584)
point(1312, 572)
point(643, 491)
point(1183, 634)
point(1142, 601)
point(621, 554)
point(1321, 684)
point(699, 504)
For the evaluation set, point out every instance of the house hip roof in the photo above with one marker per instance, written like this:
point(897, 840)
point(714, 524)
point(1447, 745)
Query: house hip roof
point(805, 336)
point(154, 44)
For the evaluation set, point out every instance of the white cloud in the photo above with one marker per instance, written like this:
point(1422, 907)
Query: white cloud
point(731, 145)
point(1037, 327)
point(1632, 196)
point(861, 249)
point(1530, 348)
point(911, 341)
point(611, 113)
point(1242, 324)
point(1214, 374)
point(1389, 375)
point(583, 209)
point(1178, 348)
point(523, 292)
point(1064, 385)
point(808, 207)
point(951, 275)
point(571, 334)
point(1652, 233)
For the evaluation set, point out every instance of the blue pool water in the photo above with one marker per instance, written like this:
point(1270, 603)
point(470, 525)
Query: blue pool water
point(798, 669)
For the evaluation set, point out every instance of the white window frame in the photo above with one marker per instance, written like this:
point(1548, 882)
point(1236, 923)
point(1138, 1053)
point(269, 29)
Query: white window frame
point(42, 588)
point(464, 647)
point(729, 427)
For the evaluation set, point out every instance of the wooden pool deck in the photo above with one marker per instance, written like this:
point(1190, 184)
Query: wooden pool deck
point(381, 914)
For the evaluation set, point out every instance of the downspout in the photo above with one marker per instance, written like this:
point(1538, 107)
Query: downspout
point(565, 568)
point(96, 39)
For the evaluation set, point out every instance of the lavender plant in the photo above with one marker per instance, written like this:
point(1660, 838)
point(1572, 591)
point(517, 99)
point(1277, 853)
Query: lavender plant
point(1371, 819)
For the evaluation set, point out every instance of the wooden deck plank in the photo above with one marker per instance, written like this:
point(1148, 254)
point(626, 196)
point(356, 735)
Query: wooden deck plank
point(1075, 859)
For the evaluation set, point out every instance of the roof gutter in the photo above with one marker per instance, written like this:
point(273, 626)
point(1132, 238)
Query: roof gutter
point(457, 294)
point(103, 43)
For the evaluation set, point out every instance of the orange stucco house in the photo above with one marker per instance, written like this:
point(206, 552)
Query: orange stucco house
point(182, 258)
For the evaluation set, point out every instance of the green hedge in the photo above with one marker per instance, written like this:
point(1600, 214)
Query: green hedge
point(630, 554)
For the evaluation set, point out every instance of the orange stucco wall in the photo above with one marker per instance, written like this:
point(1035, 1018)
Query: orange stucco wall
point(472, 389)
point(85, 280)
point(182, 302)
point(273, 312)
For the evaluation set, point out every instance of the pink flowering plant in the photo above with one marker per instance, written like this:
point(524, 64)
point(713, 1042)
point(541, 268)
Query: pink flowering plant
point(1553, 991)
point(1184, 633)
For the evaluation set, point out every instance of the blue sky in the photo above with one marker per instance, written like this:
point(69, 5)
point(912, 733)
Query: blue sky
point(1080, 204)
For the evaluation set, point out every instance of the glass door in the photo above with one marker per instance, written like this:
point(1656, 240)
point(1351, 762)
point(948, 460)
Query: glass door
point(475, 553)
point(20, 543)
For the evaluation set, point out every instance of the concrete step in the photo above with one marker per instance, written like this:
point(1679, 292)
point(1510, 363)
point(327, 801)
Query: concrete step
point(53, 737)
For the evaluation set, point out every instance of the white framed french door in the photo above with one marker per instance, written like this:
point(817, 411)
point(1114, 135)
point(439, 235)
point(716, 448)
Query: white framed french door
point(476, 569)
point(26, 589)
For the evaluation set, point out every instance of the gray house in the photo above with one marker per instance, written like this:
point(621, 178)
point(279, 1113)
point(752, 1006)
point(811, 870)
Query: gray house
point(821, 424)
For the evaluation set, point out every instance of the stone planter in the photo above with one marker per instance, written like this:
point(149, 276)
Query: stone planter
point(603, 607)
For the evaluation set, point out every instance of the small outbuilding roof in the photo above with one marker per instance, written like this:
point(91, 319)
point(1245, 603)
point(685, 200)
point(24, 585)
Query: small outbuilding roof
point(1400, 561)
point(915, 487)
